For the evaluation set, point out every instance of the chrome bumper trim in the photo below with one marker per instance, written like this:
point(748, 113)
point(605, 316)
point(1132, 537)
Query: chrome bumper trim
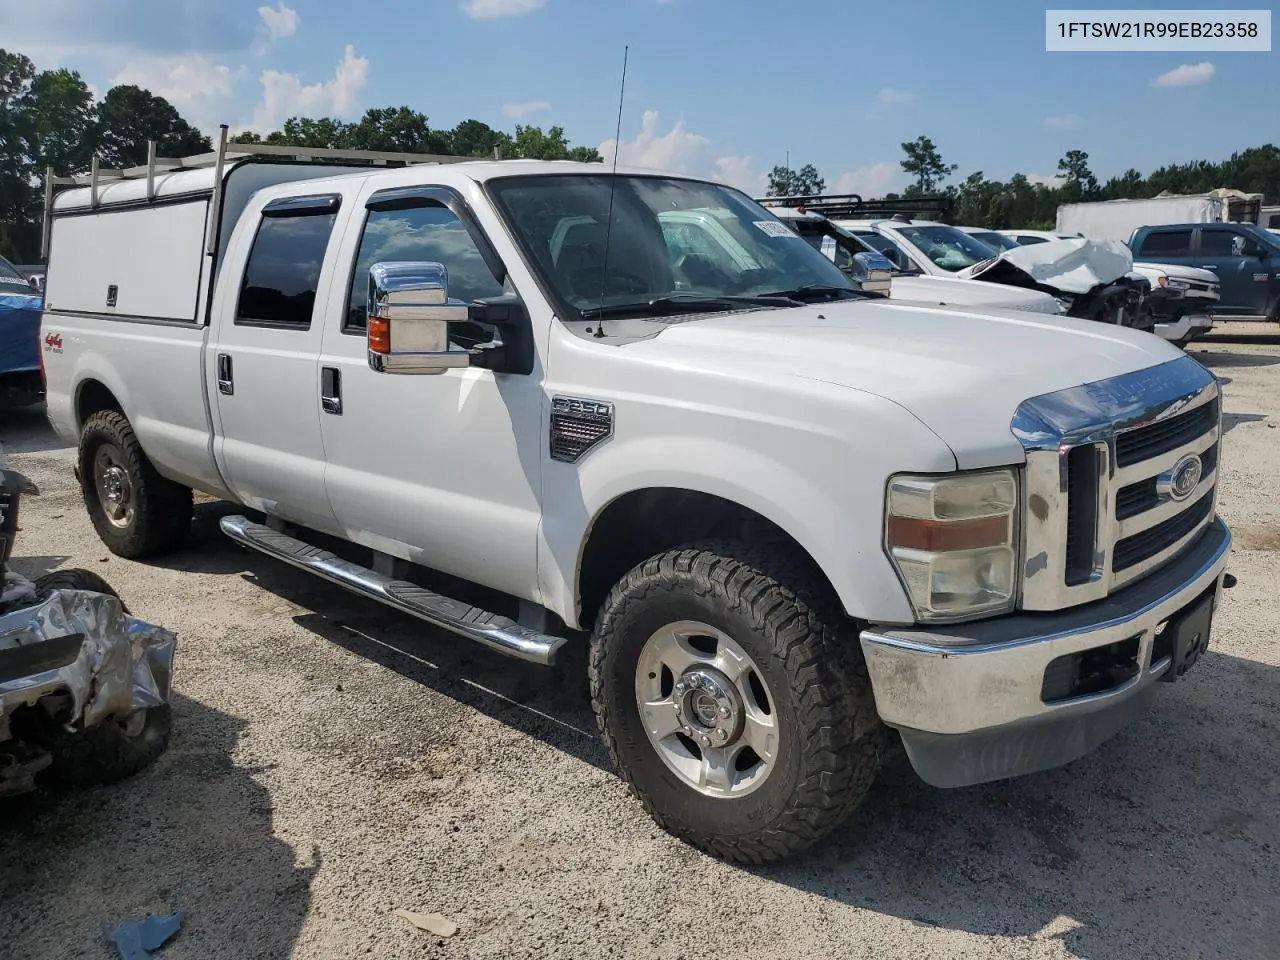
point(976, 676)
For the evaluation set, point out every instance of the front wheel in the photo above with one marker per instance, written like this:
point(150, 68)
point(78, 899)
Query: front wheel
point(733, 698)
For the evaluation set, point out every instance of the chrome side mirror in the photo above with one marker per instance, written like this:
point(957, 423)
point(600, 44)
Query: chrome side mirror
point(874, 271)
point(409, 316)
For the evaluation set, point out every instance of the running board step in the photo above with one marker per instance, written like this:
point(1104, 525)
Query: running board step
point(499, 633)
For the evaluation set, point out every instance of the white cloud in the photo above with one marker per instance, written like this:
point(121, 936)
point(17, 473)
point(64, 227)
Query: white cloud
point(493, 9)
point(871, 180)
point(284, 95)
point(280, 21)
point(200, 88)
point(1052, 180)
point(1187, 75)
point(890, 95)
point(1063, 121)
point(677, 150)
point(739, 172)
point(524, 107)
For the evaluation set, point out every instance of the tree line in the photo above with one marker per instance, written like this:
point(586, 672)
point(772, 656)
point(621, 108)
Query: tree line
point(1019, 203)
point(50, 118)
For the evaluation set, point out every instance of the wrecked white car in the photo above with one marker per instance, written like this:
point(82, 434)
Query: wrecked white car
point(1091, 279)
point(873, 272)
point(84, 687)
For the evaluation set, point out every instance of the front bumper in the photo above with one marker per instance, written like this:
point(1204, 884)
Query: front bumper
point(1184, 327)
point(968, 700)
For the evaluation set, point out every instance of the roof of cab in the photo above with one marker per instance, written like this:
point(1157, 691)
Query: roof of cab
point(200, 180)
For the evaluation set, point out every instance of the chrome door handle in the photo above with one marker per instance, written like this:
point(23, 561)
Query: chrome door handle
point(225, 382)
point(331, 390)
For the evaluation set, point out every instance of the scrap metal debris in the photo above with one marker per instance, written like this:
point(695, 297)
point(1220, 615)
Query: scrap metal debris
point(120, 664)
point(135, 939)
point(433, 923)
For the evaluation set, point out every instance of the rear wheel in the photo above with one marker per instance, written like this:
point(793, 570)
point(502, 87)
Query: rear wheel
point(137, 512)
point(733, 698)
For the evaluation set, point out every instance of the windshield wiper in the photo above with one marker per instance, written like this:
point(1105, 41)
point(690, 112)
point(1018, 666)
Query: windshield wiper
point(817, 291)
point(685, 303)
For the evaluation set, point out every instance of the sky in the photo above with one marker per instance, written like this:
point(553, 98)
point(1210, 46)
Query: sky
point(719, 88)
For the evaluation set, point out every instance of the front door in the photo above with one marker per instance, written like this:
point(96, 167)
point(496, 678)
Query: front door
point(1242, 265)
point(262, 356)
point(442, 470)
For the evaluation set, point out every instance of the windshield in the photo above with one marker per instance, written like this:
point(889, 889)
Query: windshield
point(996, 241)
point(670, 238)
point(10, 277)
point(947, 247)
point(1265, 237)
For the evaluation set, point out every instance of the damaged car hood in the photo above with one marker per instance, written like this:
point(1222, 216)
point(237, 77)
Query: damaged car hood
point(1072, 266)
point(963, 372)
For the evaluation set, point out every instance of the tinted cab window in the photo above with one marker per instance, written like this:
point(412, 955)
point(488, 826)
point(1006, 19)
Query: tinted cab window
point(280, 279)
point(430, 232)
point(1166, 244)
point(1228, 243)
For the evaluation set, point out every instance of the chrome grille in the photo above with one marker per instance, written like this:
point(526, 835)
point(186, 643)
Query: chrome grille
point(1143, 546)
point(1143, 443)
point(1102, 507)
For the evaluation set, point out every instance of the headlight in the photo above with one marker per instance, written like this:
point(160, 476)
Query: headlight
point(1179, 285)
point(953, 541)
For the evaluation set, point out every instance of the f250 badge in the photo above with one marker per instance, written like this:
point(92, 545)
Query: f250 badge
point(53, 343)
point(577, 425)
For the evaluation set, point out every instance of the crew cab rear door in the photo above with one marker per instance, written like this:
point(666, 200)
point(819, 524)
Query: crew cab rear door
point(1245, 268)
point(261, 366)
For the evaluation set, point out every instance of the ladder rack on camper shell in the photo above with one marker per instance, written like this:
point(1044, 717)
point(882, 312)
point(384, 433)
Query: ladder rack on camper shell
point(228, 152)
point(850, 206)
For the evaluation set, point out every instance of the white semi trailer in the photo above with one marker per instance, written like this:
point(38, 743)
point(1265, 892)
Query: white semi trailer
point(1117, 219)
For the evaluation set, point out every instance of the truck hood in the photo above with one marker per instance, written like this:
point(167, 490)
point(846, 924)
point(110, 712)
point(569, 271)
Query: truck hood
point(1181, 271)
point(952, 291)
point(1072, 266)
point(961, 372)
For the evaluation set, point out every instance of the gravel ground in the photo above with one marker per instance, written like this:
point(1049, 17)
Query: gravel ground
point(333, 761)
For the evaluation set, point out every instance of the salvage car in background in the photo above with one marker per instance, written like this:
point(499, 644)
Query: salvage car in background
point(1182, 301)
point(1092, 279)
point(84, 686)
point(1244, 258)
point(843, 248)
point(1183, 298)
point(20, 305)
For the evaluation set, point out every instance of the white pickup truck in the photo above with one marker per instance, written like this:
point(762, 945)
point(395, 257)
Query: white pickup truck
point(796, 521)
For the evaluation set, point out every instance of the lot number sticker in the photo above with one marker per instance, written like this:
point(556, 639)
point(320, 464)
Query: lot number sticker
point(775, 229)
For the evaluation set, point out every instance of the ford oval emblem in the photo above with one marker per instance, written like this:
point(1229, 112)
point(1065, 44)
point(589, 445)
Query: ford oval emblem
point(1184, 477)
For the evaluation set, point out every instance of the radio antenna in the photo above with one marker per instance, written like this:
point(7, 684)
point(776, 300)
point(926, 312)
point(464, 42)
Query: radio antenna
point(613, 186)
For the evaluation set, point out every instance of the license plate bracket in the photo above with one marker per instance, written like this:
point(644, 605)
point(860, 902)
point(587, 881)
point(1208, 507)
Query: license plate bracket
point(1190, 635)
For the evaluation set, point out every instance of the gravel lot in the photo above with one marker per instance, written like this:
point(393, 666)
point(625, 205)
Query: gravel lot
point(333, 761)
